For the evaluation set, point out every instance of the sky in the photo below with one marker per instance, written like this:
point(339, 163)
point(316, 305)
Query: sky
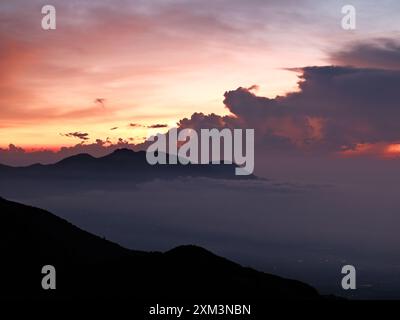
point(114, 72)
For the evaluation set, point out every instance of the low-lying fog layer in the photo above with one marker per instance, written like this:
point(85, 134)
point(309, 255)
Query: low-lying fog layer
point(306, 231)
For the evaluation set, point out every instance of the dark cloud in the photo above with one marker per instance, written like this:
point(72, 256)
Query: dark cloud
point(100, 101)
point(254, 87)
point(79, 135)
point(378, 53)
point(135, 125)
point(102, 142)
point(15, 149)
point(158, 125)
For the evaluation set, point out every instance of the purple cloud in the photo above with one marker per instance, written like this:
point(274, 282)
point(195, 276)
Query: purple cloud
point(79, 135)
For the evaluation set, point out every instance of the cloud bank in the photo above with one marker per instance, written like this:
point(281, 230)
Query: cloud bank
point(337, 108)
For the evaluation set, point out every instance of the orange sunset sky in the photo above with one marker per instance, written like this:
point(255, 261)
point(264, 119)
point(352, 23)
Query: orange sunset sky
point(112, 63)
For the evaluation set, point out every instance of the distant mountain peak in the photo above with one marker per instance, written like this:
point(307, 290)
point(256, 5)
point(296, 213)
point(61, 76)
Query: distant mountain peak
point(124, 152)
point(76, 158)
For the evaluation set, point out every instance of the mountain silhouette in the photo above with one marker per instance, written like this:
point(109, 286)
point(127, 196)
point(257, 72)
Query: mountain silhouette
point(118, 164)
point(119, 170)
point(90, 267)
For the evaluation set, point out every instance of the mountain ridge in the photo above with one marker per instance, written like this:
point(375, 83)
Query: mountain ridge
point(91, 267)
point(120, 162)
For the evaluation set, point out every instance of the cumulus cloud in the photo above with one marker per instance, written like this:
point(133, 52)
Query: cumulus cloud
point(336, 108)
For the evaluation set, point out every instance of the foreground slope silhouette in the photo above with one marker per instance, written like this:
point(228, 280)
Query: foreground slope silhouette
point(89, 267)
